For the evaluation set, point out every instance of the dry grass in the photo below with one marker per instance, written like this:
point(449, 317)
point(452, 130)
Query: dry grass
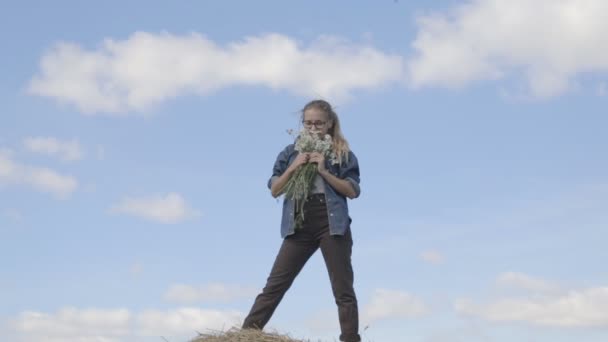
point(245, 335)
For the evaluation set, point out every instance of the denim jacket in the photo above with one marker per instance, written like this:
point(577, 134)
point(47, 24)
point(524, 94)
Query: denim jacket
point(337, 207)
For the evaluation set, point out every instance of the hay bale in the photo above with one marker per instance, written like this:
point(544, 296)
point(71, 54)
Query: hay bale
point(244, 335)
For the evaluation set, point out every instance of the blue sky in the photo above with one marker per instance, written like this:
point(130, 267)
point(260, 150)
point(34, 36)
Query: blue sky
point(136, 140)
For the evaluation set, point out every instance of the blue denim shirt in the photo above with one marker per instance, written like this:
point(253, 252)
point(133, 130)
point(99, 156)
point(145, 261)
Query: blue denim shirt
point(337, 207)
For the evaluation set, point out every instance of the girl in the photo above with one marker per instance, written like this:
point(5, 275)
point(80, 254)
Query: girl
point(326, 223)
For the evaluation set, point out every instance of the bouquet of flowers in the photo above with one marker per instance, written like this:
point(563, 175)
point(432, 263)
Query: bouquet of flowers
point(300, 184)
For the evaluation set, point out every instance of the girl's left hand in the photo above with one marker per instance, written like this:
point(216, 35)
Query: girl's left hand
point(316, 157)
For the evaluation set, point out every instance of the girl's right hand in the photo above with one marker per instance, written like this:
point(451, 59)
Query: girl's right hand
point(301, 158)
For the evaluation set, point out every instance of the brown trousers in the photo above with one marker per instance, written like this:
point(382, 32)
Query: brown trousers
point(295, 251)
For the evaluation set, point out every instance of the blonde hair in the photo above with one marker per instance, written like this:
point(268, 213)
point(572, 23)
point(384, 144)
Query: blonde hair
point(340, 145)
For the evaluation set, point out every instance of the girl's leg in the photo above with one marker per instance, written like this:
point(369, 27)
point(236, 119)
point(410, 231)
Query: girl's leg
point(337, 250)
point(295, 250)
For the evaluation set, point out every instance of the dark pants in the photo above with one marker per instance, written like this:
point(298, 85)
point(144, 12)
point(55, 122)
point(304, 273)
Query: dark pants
point(295, 251)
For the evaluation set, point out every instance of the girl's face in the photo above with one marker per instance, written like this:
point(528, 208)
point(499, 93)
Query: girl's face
point(316, 122)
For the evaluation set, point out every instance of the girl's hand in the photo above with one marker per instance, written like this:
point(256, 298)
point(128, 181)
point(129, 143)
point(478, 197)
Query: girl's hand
point(301, 158)
point(316, 157)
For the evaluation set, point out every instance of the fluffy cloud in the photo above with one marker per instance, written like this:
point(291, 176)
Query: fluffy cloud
point(383, 304)
point(543, 305)
point(386, 304)
point(71, 324)
point(432, 256)
point(39, 178)
point(146, 69)
point(185, 321)
point(211, 292)
point(66, 150)
point(549, 42)
point(118, 325)
point(171, 208)
point(525, 282)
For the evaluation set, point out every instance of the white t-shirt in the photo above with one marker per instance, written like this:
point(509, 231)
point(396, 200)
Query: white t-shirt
point(318, 186)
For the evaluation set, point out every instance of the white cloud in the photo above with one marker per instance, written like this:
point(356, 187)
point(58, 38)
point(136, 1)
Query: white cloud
point(7, 166)
point(526, 282)
point(494, 39)
point(545, 305)
point(47, 179)
point(185, 321)
point(66, 150)
point(211, 292)
point(39, 178)
point(432, 256)
point(386, 304)
point(171, 208)
point(71, 324)
point(383, 304)
point(146, 69)
point(117, 325)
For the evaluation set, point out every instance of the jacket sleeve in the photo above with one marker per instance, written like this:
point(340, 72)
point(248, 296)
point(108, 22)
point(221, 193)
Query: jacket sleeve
point(350, 172)
point(280, 165)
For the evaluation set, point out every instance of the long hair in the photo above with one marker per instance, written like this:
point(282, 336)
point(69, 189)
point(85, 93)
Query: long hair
point(340, 145)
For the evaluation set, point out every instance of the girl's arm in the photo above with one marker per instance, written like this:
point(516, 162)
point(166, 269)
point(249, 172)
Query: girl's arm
point(341, 185)
point(278, 184)
point(347, 180)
